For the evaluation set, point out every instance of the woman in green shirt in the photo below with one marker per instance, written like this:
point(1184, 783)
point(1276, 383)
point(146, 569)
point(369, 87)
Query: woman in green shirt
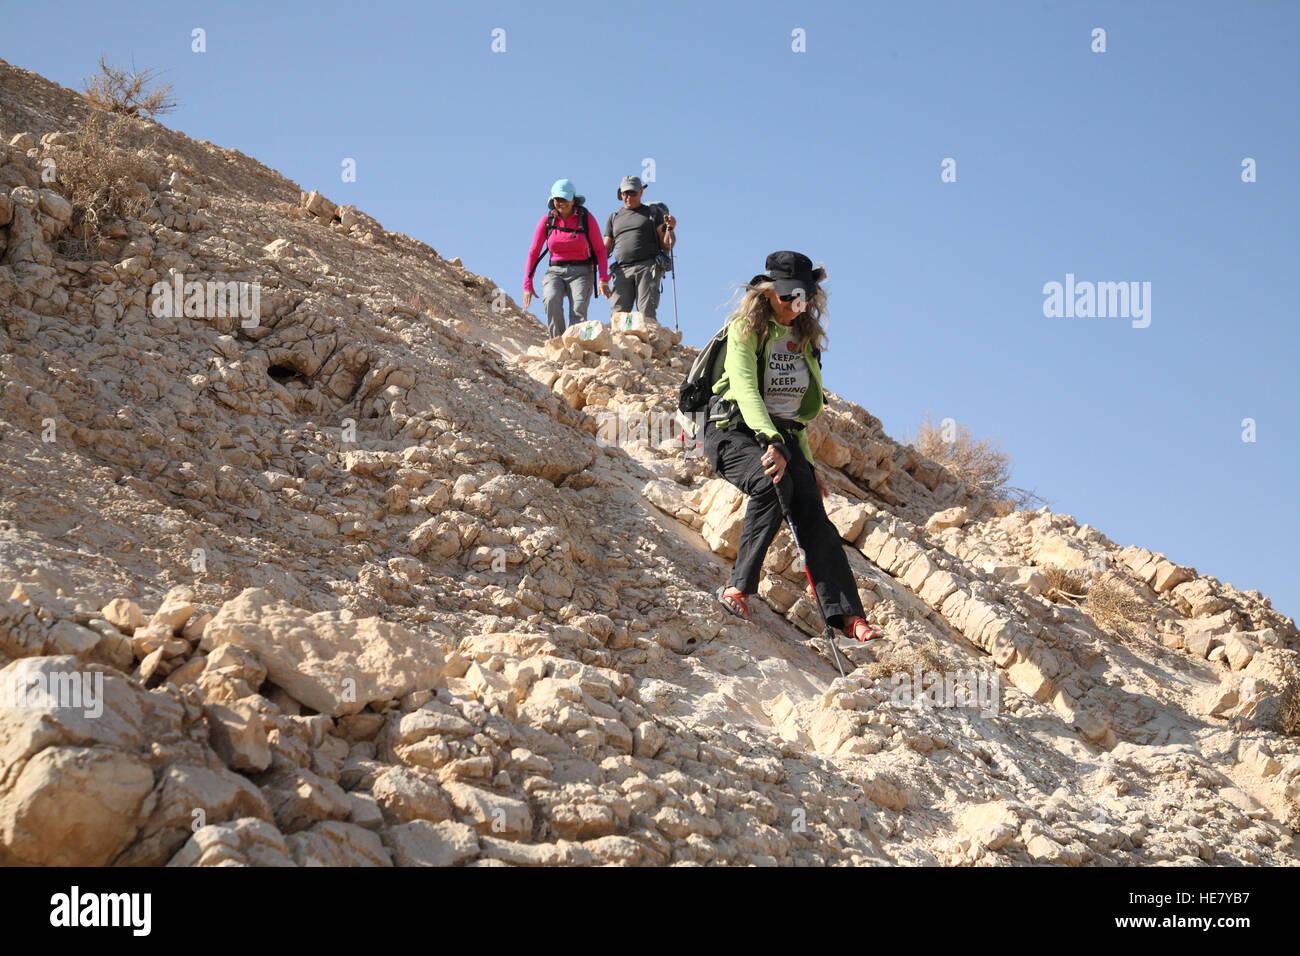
point(755, 438)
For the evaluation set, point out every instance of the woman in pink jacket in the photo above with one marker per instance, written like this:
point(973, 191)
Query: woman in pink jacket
point(572, 237)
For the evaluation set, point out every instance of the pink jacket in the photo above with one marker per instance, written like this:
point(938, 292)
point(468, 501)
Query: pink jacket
point(567, 246)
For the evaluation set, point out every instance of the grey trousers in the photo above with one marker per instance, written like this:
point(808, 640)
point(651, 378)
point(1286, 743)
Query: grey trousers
point(635, 284)
point(567, 280)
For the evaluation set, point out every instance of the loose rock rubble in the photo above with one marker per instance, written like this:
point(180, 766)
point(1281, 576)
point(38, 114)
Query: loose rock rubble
point(381, 577)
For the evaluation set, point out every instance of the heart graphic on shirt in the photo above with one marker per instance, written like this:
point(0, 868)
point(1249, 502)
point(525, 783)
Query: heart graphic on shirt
point(789, 346)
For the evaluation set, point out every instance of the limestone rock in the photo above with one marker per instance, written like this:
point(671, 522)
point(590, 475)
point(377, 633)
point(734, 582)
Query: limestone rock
point(189, 794)
point(334, 664)
point(406, 794)
point(337, 844)
point(1058, 551)
point(490, 812)
point(124, 614)
point(1218, 701)
point(238, 736)
point(243, 842)
point(591, 335)
point(991, 825)
point(948, 518)
point(1239, 650)
point(423, 843)
point(630, 323)
point(73, 806)
point(76, 760)
point(299, 798)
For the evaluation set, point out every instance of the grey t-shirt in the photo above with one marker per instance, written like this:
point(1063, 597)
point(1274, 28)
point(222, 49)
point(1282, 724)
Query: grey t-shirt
point(635, 233)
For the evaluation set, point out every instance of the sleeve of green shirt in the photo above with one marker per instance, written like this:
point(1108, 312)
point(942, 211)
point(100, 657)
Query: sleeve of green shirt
point(742, 370)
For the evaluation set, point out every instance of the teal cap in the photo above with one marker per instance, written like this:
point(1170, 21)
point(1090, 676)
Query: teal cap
point(564, 189)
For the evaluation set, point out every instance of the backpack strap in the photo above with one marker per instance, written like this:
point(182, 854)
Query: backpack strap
point(585, 225)
point(546, 240)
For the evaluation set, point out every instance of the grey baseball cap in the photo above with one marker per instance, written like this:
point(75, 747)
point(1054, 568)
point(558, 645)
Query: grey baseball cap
point(630, 184)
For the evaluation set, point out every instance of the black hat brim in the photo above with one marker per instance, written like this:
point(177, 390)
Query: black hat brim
point(789, 286)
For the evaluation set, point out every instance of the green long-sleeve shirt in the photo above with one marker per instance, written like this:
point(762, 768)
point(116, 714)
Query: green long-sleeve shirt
point(739, 382)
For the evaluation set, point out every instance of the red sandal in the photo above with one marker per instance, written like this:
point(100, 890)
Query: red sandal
point(863, 632)
point(734, 603)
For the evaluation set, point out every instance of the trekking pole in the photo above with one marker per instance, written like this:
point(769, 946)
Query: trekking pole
point(829, 633)
point(672, 267)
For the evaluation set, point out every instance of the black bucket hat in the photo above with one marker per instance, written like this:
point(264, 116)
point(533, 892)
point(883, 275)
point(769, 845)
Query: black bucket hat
point(789, 272)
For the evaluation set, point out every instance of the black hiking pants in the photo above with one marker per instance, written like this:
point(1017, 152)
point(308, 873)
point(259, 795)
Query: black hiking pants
point(736, 455)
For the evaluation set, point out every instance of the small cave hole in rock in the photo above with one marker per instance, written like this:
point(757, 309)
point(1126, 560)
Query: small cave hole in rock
point(285, 373)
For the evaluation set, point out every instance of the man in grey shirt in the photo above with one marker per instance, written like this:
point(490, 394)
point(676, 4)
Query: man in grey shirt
point(638, 234)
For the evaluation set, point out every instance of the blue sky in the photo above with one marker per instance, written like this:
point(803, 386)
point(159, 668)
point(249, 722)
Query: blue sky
point(1116, 166)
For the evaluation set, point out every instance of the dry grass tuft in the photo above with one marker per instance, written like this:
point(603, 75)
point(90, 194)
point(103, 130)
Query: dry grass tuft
point(1065, 587)
point(128, 92)
point(904, 659)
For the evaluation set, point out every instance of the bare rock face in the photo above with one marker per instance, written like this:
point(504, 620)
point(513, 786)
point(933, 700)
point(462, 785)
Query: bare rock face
point(188, 795)
point(330, 662)
point(315, 551)
point(79, 746)
point(93, 797)
point(337, 844)
point(247, 841)
point(421, 843)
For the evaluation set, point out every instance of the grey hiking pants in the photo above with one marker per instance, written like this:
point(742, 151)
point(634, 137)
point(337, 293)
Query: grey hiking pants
point(736, 455)
point(574, 281)
point(635, 284)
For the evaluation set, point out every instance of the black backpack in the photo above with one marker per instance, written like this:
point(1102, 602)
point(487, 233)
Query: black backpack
point(697, 388)
point(552, 224)
point(663, 260)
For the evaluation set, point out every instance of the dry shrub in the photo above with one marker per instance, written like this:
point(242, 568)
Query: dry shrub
point(1065, 587)
point(1288, 705)
point(128, 92)
point(1108, 598)
point(103, 181)
point(978, 462)
point(1116, 605)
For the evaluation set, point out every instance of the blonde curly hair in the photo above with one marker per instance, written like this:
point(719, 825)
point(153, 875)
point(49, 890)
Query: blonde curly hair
point(754, 313)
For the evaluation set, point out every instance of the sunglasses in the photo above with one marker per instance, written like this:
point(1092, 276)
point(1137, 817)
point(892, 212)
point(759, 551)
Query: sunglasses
point(636, 192)
point(792, 296)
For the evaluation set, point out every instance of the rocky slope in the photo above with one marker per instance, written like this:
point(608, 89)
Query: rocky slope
point(383, 577)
